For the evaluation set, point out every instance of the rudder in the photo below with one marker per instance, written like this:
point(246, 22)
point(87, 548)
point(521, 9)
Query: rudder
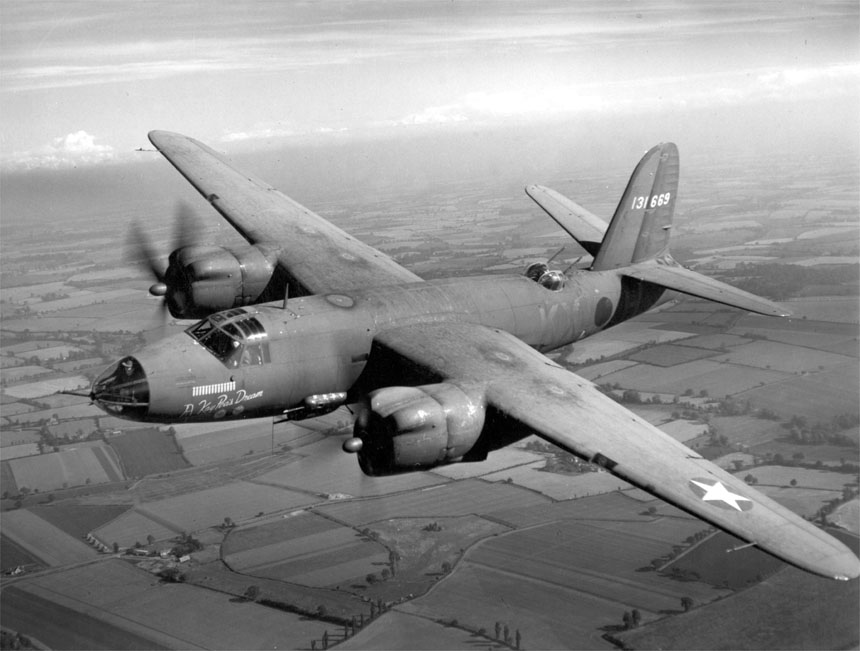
point(641, 225)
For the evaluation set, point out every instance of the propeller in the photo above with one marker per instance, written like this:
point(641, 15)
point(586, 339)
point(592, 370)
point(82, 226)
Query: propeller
point(146, 256)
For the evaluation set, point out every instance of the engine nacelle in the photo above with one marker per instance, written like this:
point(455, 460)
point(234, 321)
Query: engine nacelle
point(201, 280)
point(414, 428)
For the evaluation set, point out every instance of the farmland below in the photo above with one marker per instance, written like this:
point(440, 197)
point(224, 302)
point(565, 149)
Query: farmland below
point(251, 534)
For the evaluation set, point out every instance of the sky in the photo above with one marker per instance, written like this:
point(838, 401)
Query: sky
point(81, 83)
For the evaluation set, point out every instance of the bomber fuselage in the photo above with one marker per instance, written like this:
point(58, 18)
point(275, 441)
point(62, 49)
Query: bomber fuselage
point(300, 357)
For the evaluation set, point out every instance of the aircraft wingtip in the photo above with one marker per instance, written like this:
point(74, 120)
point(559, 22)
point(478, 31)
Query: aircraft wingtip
point(845, 566)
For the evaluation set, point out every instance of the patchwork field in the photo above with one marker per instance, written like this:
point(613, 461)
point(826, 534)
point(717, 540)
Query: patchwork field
point(132, 527)
point(78, 520)
point(617, 505)
point(398, 630)
point(208, 508)
point(172, 615)
point(16, 408)
point(835, 309)
point(315, 545)
point(782, 357)
point(69, 467)
point(595, 372)
point(511, 457)
point(564, 580)
point(707, 375)
point(462, 498)
point(46, 387)
point(338, 557)
point(341, 474)
point(13, 556)
point(847, 516)
point(16, 452)
point(817, 397)
point(288, 528)
point(714, 341)
point(823, 616)
point(670, 355)
point(43, 540)
point(747, 430)
point(803, 501)
point(78, 411)
point(559, 486)
point(223, 443)
point(805, 477)
point(147, 452)
point(548, 616)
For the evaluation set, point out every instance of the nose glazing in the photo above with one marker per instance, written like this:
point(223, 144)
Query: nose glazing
point(122, 390)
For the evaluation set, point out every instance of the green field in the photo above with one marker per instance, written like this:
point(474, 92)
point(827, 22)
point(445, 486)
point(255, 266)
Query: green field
point(670, 355)
point(714, 341)
point(323, 468)
point(285, 529)
point(711, 562)
point(347, 564)
point(600, 558)
point(460, 498)
point(790, 610)
point(717, 379)
point(782, 357)
point(549, 616)
point(209, 507)
point(175, 615)
point(805, 477)
point(134, 526)
point(147, 452)
point(43, 540)
point(78, 520)
point(13, 555)
point(397, 630)
point(817, 397)
point(72, 466)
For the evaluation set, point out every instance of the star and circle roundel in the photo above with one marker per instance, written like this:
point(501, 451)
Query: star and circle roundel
point(715, 492)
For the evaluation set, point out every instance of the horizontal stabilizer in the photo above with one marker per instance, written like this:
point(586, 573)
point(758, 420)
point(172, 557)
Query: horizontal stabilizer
point(585, 227)
point(678, 278)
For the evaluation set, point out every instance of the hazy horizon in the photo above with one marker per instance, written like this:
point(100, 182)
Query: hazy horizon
point(82, 83)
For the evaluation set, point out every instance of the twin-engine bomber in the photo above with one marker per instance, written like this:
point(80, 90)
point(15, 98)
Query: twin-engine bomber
point(442, 371)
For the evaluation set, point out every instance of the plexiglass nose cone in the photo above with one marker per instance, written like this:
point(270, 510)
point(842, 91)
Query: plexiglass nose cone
point(122, 390)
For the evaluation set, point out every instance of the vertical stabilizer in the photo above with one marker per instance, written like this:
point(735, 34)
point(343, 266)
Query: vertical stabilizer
point(640, 228)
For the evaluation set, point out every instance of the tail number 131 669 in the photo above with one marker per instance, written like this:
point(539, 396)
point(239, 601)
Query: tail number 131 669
point(653, 201)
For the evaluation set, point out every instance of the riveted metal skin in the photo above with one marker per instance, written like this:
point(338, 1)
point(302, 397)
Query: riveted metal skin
point(320, 344)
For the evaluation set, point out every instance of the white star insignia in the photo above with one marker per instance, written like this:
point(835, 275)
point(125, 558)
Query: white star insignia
point(719, 493)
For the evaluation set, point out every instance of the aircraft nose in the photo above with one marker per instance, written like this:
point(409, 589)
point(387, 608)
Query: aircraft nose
point(122, 390)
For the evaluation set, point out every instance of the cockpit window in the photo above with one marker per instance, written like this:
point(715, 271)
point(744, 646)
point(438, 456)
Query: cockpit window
point(235, 337)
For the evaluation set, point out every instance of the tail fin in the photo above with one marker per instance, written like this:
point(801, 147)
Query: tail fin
point(639, 230)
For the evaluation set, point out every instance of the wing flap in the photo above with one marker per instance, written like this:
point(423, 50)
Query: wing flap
point(317, 254)
point(585, 227)
point(571, 412)
point(680, 279)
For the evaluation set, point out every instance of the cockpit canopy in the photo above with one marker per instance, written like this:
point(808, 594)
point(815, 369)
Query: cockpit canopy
point(235, 337)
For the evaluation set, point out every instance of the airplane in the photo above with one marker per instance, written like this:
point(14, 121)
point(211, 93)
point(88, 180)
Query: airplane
point(305, 318)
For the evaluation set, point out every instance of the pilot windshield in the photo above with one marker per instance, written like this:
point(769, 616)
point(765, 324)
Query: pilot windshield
point(234, 337)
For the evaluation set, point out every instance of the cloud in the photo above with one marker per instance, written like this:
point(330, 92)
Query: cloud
point(702, 90)
point(263, 133)
point(71, 150)
point(81, 143)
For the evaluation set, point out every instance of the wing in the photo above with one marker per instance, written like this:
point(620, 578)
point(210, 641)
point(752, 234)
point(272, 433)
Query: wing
point(316, 254)
point(572, 413)
point(680, 279)
point(585, 227)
